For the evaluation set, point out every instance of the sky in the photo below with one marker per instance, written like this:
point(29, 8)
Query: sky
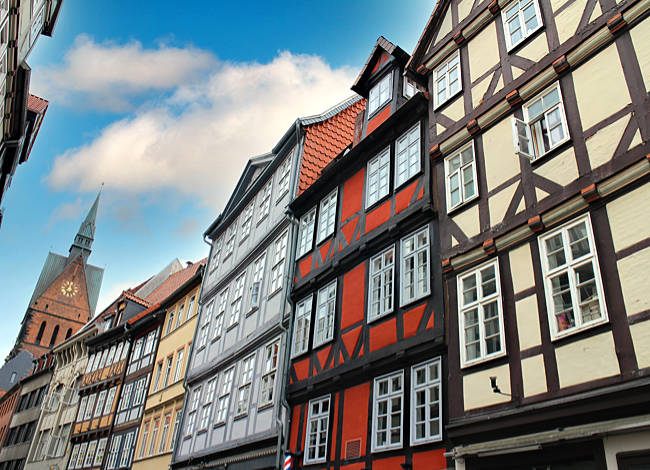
point(164, 102)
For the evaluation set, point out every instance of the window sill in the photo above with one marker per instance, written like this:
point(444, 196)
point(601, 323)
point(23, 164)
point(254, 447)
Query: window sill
point(240, 416)
point(265, 406)
point(241, 242)
point(259, 222)
point(218, 424)
point(379, 317)
point(386, 449)
point(281, 197)
point(315, 346)
point(328, 238)
point(462, 206)
point(410, 179)
point(428, 440)
point(414, 300)
point(379, 201)
point(215, 339)
point(251, 311)
point(379, 109)
point(314, 462)
point(233, 326)
point(511, 49)
point(477, 362)
point(438, 106)
point(304, 255)
point(274, 293)
point(567, 334)
point(559, 148)
point(297, 355)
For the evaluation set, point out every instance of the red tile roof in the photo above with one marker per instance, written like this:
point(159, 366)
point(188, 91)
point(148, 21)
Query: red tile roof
point(36, 104)
point(173, 282)
point(135, 298)
point(325, 140)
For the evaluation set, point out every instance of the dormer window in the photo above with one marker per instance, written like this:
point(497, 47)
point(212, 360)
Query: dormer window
point(409, 88)
point(380, 94)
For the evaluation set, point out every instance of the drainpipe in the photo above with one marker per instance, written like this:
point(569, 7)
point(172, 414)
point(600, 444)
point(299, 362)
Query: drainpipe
point(288, 334)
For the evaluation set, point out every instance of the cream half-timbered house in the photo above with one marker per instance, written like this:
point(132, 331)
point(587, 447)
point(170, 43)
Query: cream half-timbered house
point(540, 127)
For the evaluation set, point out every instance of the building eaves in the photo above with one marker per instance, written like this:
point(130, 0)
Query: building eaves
point(382, 44)
point(426, 37)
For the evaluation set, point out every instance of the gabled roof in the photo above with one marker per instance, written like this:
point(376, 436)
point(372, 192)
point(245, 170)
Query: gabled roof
point(425, 38)
point(246, 178)
point(174, 282)
point(154, 282)
point(326, 137)
point(382, 45)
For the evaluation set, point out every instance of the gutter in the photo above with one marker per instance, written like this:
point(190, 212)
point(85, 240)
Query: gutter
point(283, 437)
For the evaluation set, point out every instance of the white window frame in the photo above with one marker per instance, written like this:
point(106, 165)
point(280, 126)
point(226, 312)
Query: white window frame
point(101, 449)
point(377, 280)
point(269, 372)
point(526, 33)
point(246, 373)
point(409, 89)
point(321, 419)
point(284, 176)
point(204, 330)
point(380, 94)
point(113, 453)
point(479, 304)
point(256, 283)
point(192, 412)
point(145, 438)
point(460, 174)
point(206, 407)
point(279, 257)
point(90, 406)
point(408, 152)
point(404, 300)
point(325, 314)
point(225, 390)
point(265, 201)
point(110, 399)
point(442, 72)
point(230, 242)
point(82, 455)
point(127, 449)
point(375, 411)
point(327, 215)
point(426, 387)
point(167, 419)
point(247, 221)
point(528, 136)
point(220, 315)
point(154, 435)
point(90, 453)
point(306, 233)
point(101, 401)
point(180, 356)
point(378, 177)
point(216, 254)
point(302, 325)
point(570, 267)
point(236, 303)
point(73, 456)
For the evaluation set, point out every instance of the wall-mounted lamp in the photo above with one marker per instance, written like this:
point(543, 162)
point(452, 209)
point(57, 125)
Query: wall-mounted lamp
point(495, 387)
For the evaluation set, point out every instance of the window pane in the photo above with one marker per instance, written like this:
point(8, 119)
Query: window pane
point(555, 251)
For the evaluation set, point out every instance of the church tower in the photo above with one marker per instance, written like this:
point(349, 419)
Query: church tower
point(65, 295)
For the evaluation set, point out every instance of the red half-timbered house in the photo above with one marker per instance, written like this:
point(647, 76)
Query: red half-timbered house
point(539, 127)
point(367, 361)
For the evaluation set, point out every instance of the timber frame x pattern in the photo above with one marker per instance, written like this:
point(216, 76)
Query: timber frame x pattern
point(545, 133)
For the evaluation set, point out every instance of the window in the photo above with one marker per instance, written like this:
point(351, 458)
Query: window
point(101, 448)
point(154, 436)
point(221, 311)
point(235, 306)
point(190, 306)
point(574, 292)
point(168, 369)
point(407, 155)
point(90, 455)
point(125, 350)
point(111, 461)
point(317, 427)
point(165, 431)
point(481, 320)
point(245, 384)
point(520, 19)
point(265, 201)
point(277, 271)
point(381, 93)
point(181, 312)
point(460, 177)
point(191, 415)
point(324, 329)
point(177, 422)
point(426, 423)
point(247, 218)
point(179, 365)
point(544, 126)
point(170, 321)
point(415, 266)
point(205, 327)
point(156, 382)
point(82, 455)
point(270, 367)
point(111, 355)
point(284, 173)
point(145, 436)
point(230, 240)
point(216, 254)
point(125, 399)
point(387, 412)
point(109, 400)
point(256, 284)
point(327, 216)
point(207, 404)
point(302, 323)
point(447, 79)
point(410, 88)
point(64, 436)
point(118, 353)
point(380, 297)
point(102, 361)
point(378, 177)
point(89, 365)
point(306, 236)
point(224, 396)
point(99, 408)
point(127, 450)
point(73, 456)
point(90, 406)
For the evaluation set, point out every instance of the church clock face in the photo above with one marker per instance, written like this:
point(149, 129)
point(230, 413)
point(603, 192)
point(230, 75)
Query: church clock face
point(69, 288)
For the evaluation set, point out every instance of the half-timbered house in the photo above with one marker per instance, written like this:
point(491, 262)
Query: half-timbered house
point(234, 413)
point(367, 359)
point(539, 127)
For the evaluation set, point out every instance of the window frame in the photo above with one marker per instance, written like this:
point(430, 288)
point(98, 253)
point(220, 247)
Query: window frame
point(383, 168)
point(414, 389)
point(220, 315)
point(403, 300)
point(406, 152)
point(308, 303)
point(245, 389)
point(319, 418)
point(306, 233)
point(375, 448)
point(225, 391)
point(284, 176)
point(374, 108)
point(279, 261)
point(269, 372)
point(257, 278)
point(464, 199)
point(445, 64)
point(478, 304)
point(247, 222)
point(265, 201)
point(506, 31)
point(329, 336)
point(237, 300)
point(371, 279)
point(569, 267)
point(329, 205)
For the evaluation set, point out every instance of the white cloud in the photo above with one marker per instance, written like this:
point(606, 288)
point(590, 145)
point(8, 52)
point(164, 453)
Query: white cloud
point(198, 140)
point(66, 211)
point(109, 75)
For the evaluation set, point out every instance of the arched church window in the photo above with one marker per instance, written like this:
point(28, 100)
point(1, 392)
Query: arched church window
point(67, 335)
point(41, 330)
point(55, 333)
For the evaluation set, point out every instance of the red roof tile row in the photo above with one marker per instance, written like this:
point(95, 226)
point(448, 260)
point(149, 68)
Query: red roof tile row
point(36, 104)
point(325, 140)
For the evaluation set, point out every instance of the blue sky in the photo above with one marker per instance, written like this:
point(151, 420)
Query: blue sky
point(164, 102)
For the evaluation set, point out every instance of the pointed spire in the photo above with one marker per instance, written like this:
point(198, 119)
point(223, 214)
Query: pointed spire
point(85, 236)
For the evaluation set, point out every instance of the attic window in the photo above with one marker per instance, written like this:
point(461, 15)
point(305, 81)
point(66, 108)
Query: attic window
point(380, 94)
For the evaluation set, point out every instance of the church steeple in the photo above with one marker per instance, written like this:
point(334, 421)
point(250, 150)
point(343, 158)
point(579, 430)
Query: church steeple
point(83, 241)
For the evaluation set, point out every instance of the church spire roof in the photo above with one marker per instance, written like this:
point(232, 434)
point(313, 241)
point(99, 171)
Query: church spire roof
point(85, 236)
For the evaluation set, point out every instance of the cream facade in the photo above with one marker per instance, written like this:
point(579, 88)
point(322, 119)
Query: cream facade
point(164, 404)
